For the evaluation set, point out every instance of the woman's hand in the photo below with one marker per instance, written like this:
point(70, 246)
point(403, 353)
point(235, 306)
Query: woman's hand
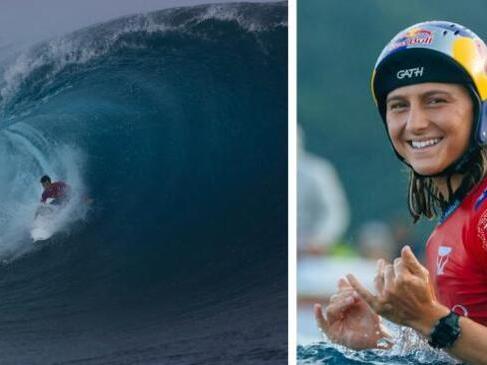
point(350, 321)
point(405, 294)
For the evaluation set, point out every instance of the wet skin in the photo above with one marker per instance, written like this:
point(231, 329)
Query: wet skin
point(430, 124)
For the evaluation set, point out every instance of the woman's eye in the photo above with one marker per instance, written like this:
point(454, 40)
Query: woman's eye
point(397, 106)
point(435, 101)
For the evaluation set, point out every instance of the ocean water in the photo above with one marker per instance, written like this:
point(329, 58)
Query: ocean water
point(408, 349)
point(175, 124)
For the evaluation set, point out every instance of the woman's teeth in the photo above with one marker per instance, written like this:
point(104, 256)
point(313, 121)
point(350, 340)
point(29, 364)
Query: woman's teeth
point(424, 144)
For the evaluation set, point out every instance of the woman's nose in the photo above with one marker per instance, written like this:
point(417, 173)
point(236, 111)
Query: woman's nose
point(417, 120)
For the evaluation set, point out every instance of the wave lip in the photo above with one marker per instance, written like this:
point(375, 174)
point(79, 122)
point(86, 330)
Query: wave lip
point(82, 46)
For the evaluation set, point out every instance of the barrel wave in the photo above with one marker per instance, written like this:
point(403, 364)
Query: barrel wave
point(173, 124)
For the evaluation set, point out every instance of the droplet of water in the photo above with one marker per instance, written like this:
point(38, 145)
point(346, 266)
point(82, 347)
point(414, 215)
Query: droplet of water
point(384, 343)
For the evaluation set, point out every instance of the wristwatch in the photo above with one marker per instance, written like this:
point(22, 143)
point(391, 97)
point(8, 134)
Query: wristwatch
point(445, 332)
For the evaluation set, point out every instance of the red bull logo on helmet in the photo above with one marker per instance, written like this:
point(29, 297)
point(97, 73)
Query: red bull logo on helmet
point(413, 37)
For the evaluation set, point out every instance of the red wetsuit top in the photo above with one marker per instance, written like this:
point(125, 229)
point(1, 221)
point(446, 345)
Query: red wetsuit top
point(57, 190)
point(456, 255)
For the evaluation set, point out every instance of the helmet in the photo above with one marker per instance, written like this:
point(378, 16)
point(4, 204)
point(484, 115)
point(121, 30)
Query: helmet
point(436, 51)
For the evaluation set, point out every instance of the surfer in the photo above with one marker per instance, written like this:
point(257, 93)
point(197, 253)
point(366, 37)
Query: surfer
point(54, 197)
point(57, 191)
point(430, 87)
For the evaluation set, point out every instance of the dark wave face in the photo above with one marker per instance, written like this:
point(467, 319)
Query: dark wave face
point(175, 124)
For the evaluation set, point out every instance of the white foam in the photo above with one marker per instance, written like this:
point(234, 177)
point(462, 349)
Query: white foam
point(82, 46)
point(26, 155)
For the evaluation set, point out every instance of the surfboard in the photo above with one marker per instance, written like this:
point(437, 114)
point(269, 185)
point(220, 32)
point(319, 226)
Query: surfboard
point(43, 224)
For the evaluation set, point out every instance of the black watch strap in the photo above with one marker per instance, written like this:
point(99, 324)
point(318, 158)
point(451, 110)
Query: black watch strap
point(445, 332)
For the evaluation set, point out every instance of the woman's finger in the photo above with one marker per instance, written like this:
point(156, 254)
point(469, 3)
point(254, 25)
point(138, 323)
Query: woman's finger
point(342, 292)
point(401, 271)
point(320, 318)
point(412, 263)
point(379, 276)
point(388, 279)
point(335, 310)
point(343, 284)
point(364, 293)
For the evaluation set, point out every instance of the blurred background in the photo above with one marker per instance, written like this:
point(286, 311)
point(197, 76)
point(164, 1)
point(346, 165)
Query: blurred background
point(352, 190)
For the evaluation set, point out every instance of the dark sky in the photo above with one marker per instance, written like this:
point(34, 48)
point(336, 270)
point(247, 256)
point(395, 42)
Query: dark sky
point(26, 21)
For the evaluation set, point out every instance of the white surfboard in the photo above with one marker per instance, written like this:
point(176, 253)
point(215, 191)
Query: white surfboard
point(43, 226)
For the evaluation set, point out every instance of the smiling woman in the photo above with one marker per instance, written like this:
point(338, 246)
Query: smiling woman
point(429, 124)
point(430, 86)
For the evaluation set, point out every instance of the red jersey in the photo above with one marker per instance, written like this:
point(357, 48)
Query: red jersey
point(456, 255)
point(57, 190)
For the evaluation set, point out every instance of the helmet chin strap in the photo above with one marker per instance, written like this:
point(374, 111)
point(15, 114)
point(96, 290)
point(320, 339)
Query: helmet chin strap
point(459, 166)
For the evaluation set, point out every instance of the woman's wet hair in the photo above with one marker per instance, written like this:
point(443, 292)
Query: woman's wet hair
point(45, 179)
point(424, 199)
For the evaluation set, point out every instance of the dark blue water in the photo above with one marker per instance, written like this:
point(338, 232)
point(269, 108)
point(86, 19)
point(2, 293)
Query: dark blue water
point(408, 349)
point(175, 124)
point(331, 355)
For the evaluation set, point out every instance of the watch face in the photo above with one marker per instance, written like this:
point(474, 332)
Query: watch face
point(446, 331)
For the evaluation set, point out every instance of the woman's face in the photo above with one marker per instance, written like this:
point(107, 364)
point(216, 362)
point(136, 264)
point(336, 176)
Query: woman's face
point(429, 124)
